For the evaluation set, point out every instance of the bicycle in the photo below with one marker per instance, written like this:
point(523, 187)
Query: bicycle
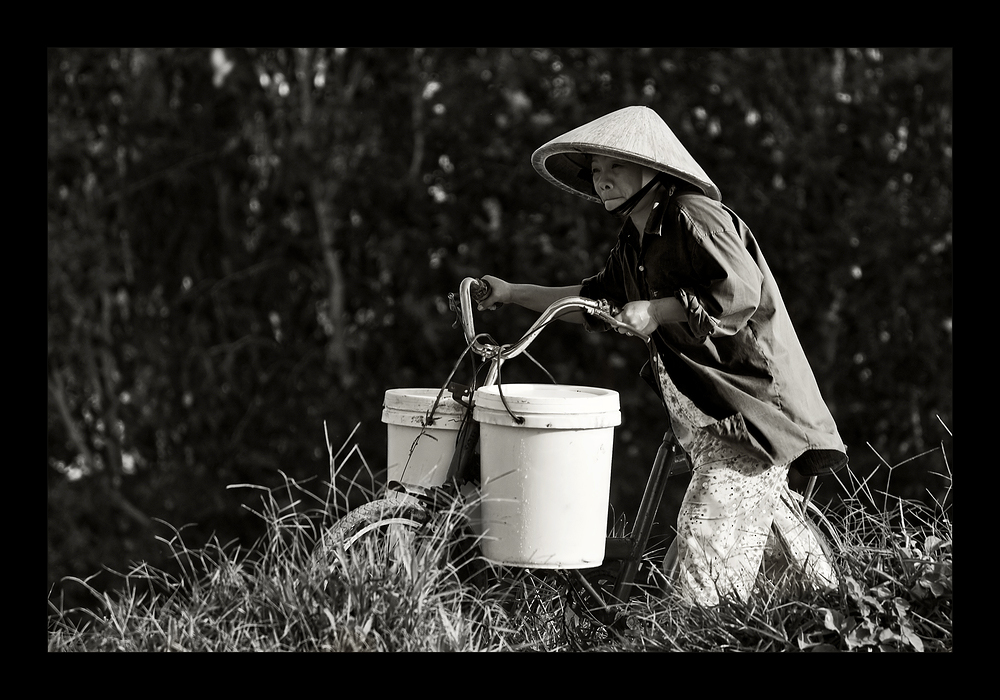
point(410, 506)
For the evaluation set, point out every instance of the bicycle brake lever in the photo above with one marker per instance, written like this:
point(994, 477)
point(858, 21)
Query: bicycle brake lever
point(455, 306)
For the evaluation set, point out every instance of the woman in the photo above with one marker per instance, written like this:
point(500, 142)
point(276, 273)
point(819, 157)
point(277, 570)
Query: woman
point(724, 358)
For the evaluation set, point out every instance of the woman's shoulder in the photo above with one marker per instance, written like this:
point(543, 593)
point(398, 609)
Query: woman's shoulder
point(703, 214)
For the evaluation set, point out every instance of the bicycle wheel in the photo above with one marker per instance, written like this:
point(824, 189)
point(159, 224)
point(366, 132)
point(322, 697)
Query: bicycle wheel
point(383, 526)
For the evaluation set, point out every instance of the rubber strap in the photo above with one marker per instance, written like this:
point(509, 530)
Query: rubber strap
point(626, 207)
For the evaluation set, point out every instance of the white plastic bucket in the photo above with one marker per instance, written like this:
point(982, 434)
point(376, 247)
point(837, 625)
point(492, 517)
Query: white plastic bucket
point(546, 482)
point(419, 453)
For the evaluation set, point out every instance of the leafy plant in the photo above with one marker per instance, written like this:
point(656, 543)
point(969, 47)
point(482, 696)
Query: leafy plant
point(896, 592)
point(424, 589)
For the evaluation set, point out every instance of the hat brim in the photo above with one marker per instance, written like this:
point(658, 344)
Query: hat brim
point(634, 135)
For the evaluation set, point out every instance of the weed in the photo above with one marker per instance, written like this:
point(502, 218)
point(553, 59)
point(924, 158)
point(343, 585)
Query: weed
point(419, 585)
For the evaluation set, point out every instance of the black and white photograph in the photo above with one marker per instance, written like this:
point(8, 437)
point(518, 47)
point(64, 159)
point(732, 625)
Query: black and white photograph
point(504, 349)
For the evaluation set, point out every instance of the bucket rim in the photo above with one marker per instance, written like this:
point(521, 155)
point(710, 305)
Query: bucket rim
point(558, 399)
point(420, 400)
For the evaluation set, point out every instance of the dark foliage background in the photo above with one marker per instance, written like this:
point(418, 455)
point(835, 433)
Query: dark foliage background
point(246, 245)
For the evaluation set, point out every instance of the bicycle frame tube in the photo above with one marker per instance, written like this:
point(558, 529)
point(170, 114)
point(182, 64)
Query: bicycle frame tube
point(651, 498)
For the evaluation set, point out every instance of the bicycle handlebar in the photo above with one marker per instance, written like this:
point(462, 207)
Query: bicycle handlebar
point(470, 286)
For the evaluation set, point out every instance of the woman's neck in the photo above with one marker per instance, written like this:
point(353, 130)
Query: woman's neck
point(640, 215)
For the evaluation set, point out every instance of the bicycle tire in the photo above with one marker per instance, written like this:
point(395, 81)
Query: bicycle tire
point(403, 524)
point(373, 517)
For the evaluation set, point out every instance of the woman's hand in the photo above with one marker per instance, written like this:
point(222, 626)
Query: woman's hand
point(500, 293)
point(639, 315)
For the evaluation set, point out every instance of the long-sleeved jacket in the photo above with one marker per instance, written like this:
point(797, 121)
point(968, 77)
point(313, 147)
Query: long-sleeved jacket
point(737, 358)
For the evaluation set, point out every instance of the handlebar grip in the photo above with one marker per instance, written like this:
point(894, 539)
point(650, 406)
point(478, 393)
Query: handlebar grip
point(480, 290)
point(607, 312)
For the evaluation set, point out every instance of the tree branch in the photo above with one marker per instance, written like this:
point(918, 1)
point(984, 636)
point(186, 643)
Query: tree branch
point(323, 191)
point(58, 392)
point(417, 103)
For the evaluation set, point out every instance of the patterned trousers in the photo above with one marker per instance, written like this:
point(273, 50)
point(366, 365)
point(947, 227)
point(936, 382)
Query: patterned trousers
point(736, 510)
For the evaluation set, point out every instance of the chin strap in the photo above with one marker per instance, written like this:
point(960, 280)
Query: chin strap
point(625, 208)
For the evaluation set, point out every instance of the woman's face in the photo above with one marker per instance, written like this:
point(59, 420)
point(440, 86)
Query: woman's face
point(617, 180)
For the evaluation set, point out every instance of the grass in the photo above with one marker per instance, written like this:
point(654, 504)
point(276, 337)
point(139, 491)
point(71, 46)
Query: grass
point(426, 591)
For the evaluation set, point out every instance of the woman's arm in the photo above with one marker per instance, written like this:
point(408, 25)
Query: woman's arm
point(530, 296)
point(645, 316)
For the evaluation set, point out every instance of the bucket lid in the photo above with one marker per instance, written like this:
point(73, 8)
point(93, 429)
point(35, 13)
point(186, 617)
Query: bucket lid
point(421, 400)
point(410, 406)
point(548, 406)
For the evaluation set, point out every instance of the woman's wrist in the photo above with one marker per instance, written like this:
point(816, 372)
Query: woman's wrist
point(667, 310)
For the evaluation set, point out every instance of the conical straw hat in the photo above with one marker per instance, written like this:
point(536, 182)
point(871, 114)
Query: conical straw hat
point(633, 134)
